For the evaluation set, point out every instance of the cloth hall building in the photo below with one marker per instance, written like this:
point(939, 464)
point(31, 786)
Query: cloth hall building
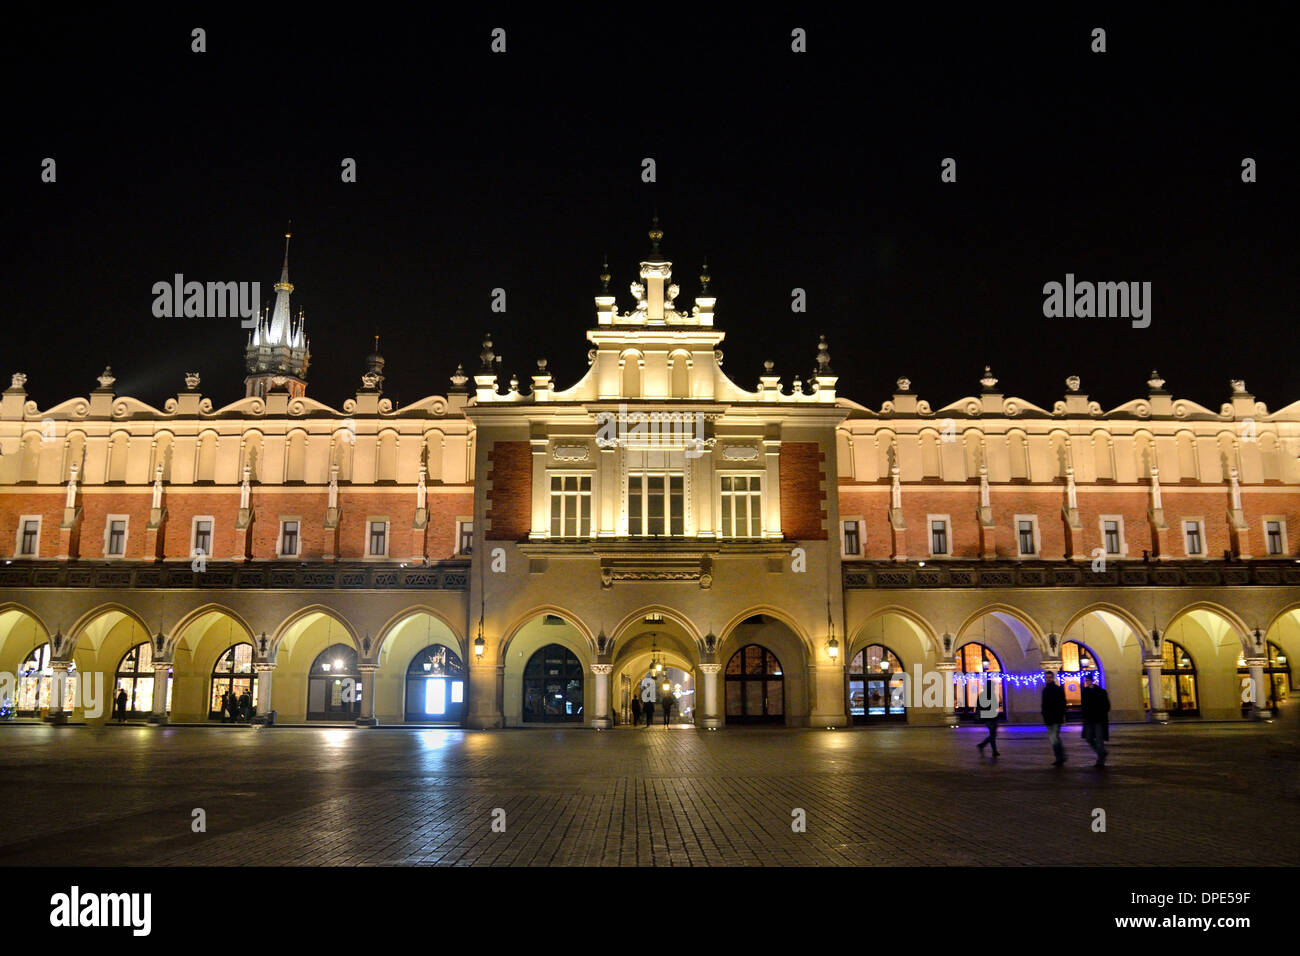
point(514, 554)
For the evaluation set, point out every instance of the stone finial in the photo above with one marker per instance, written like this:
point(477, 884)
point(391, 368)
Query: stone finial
point(541, 366)
point(369, 381)
point(656, 236)
point(487, 357)
point(1072, 383)
point(459, 378)
point(705, 278)
point(904, 384)
point(604, 276)
point(191, 381)
point(823, 357)
point(1238, 386)
point(987, 380)
point(107, 378)
point(514, 383)
point(19, 380)
point(1155, 382)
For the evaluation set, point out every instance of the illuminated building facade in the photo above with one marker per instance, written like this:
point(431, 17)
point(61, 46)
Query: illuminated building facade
point(513, 554)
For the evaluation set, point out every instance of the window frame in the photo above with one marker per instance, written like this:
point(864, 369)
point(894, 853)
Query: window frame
point(667, 474)
point(577, 493)
point(18, 539)
point(1200, 533)
point(1280, 521)
point(194, 534)
point(750, 474)
point(108, 534)
point(371, 521)
point(947, 535)
point(1038, 541)
point(856, 521)
point(1123, 539)
point(458, 543)
point(279, 540)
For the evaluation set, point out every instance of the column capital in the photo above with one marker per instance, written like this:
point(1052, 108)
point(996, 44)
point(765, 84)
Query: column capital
point(1149, 662)
point(367, 666)
point(945, 665)
point(1052, 665)
point(263, 667)
point(710, 668)
point(602, 669)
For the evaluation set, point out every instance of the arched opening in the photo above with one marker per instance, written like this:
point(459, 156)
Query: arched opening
point(653, 647)
point(631, 363)
point(553, 686)
point(975, 664)
point(877, 685)
point(233, 683)
point(35, 679)
point(334, 685)
point(1178, 685)
point(435, 686)
point(1078, 665)
point(681, 376)
point(135, 676)
point(755, 687)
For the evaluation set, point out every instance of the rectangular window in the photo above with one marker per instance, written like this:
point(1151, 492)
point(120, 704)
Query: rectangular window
point(656, 504)
point(1110, 531)
point(938, 536)
point(1273, 537)
point(852, 539)
point(30, 537)
point(115, 543)
point(1192, 536)
point(1027, 536)
point(742, 503)
point(202, 536)
point(288, 539)
point(378, 539)
point(465, 537)
point(571, 506)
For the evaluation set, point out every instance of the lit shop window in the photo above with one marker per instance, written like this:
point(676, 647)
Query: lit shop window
point(1078, 664)
point(35, 676)
point(877, 685)
point(435, 685)
point(135, 675)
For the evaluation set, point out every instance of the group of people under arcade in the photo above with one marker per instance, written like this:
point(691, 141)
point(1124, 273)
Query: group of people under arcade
point(647, 708)
point(236, 709)
point(1095, 706)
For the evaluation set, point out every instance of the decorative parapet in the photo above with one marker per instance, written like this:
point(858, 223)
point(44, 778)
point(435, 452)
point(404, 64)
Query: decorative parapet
point(869, 575)
point(445, 576)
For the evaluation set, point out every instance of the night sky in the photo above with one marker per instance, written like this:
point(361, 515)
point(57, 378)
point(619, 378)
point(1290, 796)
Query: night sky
point(818, 171)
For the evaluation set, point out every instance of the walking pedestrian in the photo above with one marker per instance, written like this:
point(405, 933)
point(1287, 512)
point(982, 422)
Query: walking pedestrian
point(245, 707)
point(120, 705)
point(649, 712)
point(669, 701)
point(1096, 723)
point(1054, 715)
point(988, 714)
point(636, 711)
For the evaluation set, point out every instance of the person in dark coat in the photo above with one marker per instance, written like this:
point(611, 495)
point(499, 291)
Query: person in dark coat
point(245, 706)
point(1054, 715)
point(636, 710)
point(120, 705)
point(649, 709)
point(1096, 723)
point(669, 701)
point(225, 706)
point(987, 707)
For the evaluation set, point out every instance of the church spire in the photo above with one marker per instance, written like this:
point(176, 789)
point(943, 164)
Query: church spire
point(280, 331)
point(278, 351)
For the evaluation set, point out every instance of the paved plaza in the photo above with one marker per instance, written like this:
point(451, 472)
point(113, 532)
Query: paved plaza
point(1185, 794)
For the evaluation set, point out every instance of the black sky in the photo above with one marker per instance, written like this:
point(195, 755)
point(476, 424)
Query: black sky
point(819, 171)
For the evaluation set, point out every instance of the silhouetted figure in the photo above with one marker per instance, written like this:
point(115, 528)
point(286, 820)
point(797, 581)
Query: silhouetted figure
point(649, 712)
point(245, 706)
point(987, 707)
point(1054, 715)
point(636, 711)
point(669, 701)
point(120, 702)
point(1096, 722)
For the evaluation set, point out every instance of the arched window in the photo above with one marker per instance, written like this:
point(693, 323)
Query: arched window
point(973, 661)
point(1277, 678)
point(1077, 663)
point(1177, 682)
point(252, 456)
point(631, 363)
point(34, 678)
point(930, 467)
point(1103, 457)
point(755, 687)
point(1187, 470)
point(334, 685)
point(162, 454)
point(117, 458)
point(435, 685)
point(553, 686)
point(233, 672)
point(1018, 456)
point(877, 687)
point(681, 377)
point(135, 676)
point(386, 467)
point(206, 465)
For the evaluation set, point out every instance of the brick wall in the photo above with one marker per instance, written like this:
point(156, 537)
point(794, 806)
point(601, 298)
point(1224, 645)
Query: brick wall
point(510, 497)
point(802, 514)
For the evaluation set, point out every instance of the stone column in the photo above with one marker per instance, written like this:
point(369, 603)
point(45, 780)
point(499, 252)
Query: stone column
point(265, 670)
point(159, 714)
point(485, 704)
point(829, 686)
point(1259, 709)
point(368, 718)
point(601, 720)
point(1154, 691)
point(708, 716)
point(55, 714)
point(946, 670)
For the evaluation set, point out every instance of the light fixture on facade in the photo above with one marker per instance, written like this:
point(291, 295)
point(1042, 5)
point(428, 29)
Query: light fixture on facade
point(832, 645)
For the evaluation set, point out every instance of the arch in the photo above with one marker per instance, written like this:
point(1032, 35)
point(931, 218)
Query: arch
point(1188, 465)
point(630, 365)
point(161, 451)
point(332, 684)
point(205, 457)
point(250, 453)
point(1127, 617)
point(1017, 443)
point(295, 456)
point(925, 631)
point(1058, 443)
point(769, 611)
point(877, 686)
point(1229, 454)
point(554, 686)
point(638, 616)
point(1103, 455)
point(395, 622)
point(386, 455)
point(118, 443)
point(754, 686)
point(285, 632)
point(931, 460)
point(679, 375)
point(79, 627)
point(1209, 607)
point(1144, 453)
point(973, 451)
point(435, 446)
point(523, 620)
point(1031, 626)
point(173, 640)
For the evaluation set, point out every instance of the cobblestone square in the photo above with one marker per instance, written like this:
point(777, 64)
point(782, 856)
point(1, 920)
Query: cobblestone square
point(1208, 794)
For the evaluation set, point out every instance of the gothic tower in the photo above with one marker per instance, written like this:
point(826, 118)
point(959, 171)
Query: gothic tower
point(278, 351)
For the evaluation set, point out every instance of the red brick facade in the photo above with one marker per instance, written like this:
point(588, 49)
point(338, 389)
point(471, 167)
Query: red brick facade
point(510, 497)
point(803, 515)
